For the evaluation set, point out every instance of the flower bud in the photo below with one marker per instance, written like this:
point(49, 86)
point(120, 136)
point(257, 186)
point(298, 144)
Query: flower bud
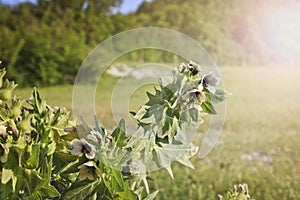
point(3, 132)
point(16, 107)
point(5, 94)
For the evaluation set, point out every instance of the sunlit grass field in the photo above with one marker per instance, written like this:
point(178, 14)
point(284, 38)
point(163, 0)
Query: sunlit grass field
point(260, 143)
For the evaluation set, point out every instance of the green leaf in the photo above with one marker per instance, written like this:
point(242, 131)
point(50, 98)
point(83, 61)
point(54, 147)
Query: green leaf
point(139, 192)
point(119, 134)
point(108, 186)
point(168, 153)
point(4, 114)
point(81, 189)
point(6, 175)
point(10, 169)
point(35, 196)
point(141, 112)
point(185, 161)
point(45, 191)
point(99, 127)
point(169, 91)
point(194, 114)
point(55, 118)
point(46, 168)
point(38, 104)
point(127, 194)
point(219, 96)
point(144, 178)
point(118, 176)
point(154, 99)
point(151, 196)
point(207, 107)
point(50, 148)
point(169, 170)
point(33, 160)
point(157, 111)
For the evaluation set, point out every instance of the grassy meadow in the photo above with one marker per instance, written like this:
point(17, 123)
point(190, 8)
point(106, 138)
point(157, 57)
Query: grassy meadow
point(260, 143)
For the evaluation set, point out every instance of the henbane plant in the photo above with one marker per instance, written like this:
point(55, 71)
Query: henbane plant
point(42, 155)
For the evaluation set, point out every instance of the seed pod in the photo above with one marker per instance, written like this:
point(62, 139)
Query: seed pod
point(24, 125)
point(181, 68)
point(16, 111)
point(5, 94)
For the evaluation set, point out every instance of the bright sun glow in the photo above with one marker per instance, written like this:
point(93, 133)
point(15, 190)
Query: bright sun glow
point(283, 33)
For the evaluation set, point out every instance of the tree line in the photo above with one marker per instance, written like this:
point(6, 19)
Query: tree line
point(44, 43)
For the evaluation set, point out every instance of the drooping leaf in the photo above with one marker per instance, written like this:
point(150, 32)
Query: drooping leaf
point(207, 107)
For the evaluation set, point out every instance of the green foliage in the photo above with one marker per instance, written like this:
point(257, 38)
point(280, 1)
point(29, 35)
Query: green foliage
point(43, 157)
point(226, 165)
point(30, 138)
point(163, 121)
point(44, 43)
point(60, 37)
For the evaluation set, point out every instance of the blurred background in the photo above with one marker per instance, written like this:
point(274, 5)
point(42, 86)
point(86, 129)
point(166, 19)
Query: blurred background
point(255, 43)
point(43, 42)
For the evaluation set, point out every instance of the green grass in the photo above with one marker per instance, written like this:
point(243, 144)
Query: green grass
point(260, 143)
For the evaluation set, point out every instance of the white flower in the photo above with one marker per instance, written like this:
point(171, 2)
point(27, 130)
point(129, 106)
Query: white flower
point(83, 147)
point(209, 81)
point(200, 95)
point(196, 95)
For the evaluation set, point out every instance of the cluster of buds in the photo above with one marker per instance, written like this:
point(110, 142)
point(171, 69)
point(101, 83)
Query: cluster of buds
point(199, 86)
point(87, 147)
point(190, 67)
point(6, 87)
point(209, 83)
point(239, 192)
